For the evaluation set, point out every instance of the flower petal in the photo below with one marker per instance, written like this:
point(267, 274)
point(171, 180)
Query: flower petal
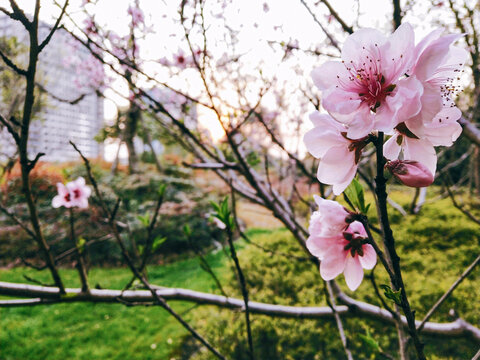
point(397, 53)
point(391, 149)
point(369, 258)
point(336, 100)
point(337, 166)
point(333, 263)
point(361, 43)
point(329, 74)
point(325, 135)
point(320, 245)
point(420, 150)
point(433, 55)
point(57, 201)
point(353, 272)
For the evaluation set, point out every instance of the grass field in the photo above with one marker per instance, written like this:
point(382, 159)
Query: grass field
point(435, 248)
point(101, 331)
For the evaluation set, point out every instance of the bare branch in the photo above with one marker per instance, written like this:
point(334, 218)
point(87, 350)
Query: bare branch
point(12, 65)
point(49, 295)
point(345, 27)
point(329, 36)
point(331, 303)
point(397, 14)
point(55, 27)
point(470, 130)
point(449, 292)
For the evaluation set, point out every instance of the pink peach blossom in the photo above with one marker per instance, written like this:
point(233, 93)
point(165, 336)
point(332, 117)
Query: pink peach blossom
point(413, 148)
point(345, 250)
point(437, 65)
point(368, 89)
point(339, 155)
point(411, 173)
point(73, 194)
point(330, 217)
point(137, 15)
point(63, 198)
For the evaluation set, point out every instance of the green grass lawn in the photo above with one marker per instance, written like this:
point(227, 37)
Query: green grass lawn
point(102, 331)
point(435, 248)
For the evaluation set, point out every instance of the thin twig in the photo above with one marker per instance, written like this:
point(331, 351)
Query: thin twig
point(330, 298)
point(448, 292)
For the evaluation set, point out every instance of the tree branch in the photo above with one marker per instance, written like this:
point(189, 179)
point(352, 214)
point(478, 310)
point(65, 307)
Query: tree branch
point(55, 27)
point(448, 293)
point(50, 295)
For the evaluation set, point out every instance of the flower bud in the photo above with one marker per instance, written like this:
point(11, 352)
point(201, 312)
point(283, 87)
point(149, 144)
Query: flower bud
point(410, 173)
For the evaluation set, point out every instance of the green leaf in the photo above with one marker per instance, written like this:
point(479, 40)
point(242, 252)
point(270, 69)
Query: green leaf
point(253, 158)
point(224, 208)
point(81, 244)
point(157, 242)
point(356, 195)
point(215, 206)
point(392, 295)
point(141, 248)
point(144, 219)
point(161, 189)
point(222, 212)
point(370, 342)
point(187, 230)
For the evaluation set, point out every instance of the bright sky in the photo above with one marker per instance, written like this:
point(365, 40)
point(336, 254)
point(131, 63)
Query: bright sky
point(256, 26)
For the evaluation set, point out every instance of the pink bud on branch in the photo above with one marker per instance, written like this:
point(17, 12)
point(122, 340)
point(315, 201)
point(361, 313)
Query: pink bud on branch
point(410, 173)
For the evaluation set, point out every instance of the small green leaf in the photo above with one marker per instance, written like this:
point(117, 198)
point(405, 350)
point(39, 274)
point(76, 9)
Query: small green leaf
point(157, 242)
point(356, 195)
point(187, 230)
point(392, 295)
point(215, 206)
point(81, 244)
point(141, 248)
point(161, 189)
point(370, 341)
point(253, 158)
point(144, 219)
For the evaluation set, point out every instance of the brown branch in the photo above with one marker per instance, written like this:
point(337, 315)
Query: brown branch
point(48, 295)
point(55, 27)
point(329, 36)
point(241, 277)
point(470, 130)
point(330, 298)
point(345, 27)
point(12, 65)
point(389, 241)
point(82, 271)
point(397, 14)
point(448, 292)
point(160, 300)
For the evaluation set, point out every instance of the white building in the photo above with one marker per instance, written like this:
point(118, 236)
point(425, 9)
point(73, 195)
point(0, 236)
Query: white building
point(60, 122)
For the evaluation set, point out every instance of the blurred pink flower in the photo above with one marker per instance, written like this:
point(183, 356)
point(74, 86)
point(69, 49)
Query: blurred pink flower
point(63, 198)
point(368, 89)
point(341, 248)
point(73, 194)
point(339, 155)
point(410, 173)
point(137, 15)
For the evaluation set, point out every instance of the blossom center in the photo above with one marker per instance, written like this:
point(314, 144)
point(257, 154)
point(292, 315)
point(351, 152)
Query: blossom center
point(374, 89)
point(367, 80)
point(357, 145)
point(355, 243)
point(67, 197)
point(76, 193)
